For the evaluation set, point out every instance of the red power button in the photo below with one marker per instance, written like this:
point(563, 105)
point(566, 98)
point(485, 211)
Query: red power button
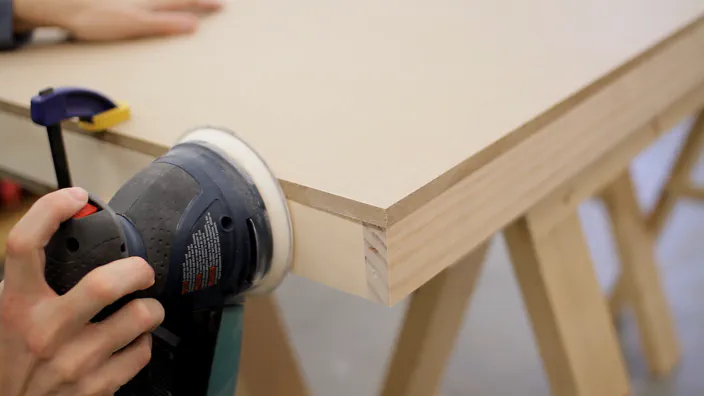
point(85, 211)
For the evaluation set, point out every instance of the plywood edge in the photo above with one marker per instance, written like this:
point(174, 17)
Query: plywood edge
point(376, 263)
point(431, 190)
point(589, 182)
point(336, 204)
point(304, 195)
point(109, 136)
point(449, 226)
point(328, 249)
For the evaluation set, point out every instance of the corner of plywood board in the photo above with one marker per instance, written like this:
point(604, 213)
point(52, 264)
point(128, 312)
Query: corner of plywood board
point(452, 224)
point(330, 249)
point(376, 263)
point(688, 36)
point(332, 203)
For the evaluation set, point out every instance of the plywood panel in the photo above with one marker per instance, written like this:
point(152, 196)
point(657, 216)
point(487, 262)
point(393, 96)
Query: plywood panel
point(357, 104)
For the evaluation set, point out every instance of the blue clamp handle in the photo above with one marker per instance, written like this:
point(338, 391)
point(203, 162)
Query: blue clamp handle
point(53, 106)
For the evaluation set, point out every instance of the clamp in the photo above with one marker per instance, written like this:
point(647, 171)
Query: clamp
point(94, 111)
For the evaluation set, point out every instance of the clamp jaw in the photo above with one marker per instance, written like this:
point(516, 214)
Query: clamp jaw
point(94, 111)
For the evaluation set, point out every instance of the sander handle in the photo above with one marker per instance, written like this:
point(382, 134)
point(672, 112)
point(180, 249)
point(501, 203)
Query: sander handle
point(92, 237)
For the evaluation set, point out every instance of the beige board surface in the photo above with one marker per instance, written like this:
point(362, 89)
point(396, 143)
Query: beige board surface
point(357, 104)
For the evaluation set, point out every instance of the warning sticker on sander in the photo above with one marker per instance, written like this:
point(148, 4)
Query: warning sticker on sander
point(203, 264)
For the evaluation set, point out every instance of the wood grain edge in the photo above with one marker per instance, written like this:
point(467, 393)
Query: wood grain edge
point(429, 191)
point(590, 181)
point(338, 205)
point(108, 136)
point(376, 262)
point(328, 249)
point(305, 195)
point(442, 231)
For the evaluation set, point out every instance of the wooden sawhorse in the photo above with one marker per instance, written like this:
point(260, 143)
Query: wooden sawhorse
point(677, 186)
point(568, 310)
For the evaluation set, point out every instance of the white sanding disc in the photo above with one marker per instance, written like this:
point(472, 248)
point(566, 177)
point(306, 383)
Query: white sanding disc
point(243, 157)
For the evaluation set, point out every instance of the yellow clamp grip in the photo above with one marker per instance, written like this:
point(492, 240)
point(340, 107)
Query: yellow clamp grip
point(107, 119)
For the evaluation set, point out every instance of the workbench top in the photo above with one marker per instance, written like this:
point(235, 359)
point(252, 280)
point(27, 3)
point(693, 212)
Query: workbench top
point(359, 103)
point(366, 109)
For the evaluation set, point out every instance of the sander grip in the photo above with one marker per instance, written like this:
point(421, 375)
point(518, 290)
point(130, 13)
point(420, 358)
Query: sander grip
point(82, 244)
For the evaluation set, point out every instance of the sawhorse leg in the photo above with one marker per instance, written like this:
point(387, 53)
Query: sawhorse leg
point(678, 183)
point(268, 366)
point(433, 321)
point(676, 186)
point(568, 311)
point(640, 280)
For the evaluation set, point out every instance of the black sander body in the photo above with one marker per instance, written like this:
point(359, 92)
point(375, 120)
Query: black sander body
point(212, 221)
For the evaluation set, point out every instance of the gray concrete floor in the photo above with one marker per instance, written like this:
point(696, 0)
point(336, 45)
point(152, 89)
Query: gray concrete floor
point(344, 343)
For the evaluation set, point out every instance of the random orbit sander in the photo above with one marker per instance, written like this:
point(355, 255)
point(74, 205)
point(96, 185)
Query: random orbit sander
point(208, 216)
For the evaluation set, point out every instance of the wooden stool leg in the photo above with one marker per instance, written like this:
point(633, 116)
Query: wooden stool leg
point(431, 326)
point(640, 278)
point(269, 366)
point(568, 311)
